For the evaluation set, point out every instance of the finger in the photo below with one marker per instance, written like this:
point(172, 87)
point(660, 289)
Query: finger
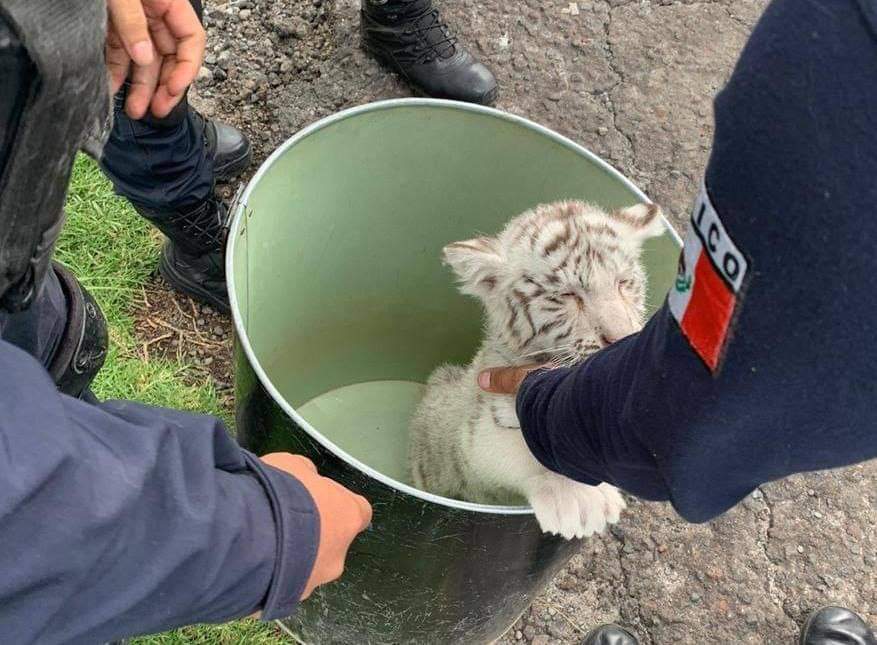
point(504, 380)
point(167, 68)
point(307, 463)
point(189, 57)
point(182, 22)
point(164, 41)
point(310, 585)
point(365, 510)
point(129, 21)
point(287, 461)
point(336, 569)
point(118, 61)
point(344, 496)
point(163, 101)
point(272, 457)
point(143, 83)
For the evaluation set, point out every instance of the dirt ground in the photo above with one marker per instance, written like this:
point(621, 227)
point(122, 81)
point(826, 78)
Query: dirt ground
point(633, 81)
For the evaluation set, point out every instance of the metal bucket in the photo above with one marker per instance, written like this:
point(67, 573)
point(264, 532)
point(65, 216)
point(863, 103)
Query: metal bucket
point(342, 308)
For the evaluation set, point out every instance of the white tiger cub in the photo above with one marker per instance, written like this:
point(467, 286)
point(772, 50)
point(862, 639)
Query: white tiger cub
point(558, 283)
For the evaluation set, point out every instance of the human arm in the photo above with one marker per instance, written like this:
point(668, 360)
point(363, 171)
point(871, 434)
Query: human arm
point(793, 387)
point(122, 519)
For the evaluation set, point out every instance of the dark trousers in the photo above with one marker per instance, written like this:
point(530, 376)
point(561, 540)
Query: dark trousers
point(38, 329)
point(158, 164)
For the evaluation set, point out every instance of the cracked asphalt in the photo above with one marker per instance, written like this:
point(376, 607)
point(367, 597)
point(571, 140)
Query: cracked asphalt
point(633, 81)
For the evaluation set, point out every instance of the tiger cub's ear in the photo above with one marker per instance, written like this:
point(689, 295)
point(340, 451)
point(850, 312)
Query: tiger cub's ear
point(477, 263)
point(642, 221)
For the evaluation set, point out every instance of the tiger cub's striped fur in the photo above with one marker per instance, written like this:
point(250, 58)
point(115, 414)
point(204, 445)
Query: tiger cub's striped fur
point(560, 282)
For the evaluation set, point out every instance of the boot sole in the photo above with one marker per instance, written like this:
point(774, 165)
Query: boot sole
point(196, 291)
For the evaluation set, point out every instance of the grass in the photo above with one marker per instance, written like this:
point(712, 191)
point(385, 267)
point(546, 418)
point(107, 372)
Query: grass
point(113, 252)
point(242, 632)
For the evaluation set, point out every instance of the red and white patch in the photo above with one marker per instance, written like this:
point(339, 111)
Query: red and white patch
point(708, 283)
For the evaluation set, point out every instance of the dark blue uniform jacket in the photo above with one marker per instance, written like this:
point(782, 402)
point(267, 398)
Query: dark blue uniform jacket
point(793, 181)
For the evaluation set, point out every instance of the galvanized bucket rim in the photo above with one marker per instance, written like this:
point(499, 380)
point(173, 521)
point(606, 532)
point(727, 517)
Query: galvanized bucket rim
point(242, 337)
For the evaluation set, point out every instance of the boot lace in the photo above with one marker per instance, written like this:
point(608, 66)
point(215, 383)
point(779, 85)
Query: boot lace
point(434, 39)
point(206, 227)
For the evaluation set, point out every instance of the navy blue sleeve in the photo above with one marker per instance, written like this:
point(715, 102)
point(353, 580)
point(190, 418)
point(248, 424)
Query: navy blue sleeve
point(123, 519)
point(792, 178)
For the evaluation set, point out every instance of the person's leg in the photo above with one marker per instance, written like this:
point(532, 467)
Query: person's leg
point(159, 163)
point(64, 329)
point(410, 37)
point(167, 169)
point(162, 166)
point(54, 320)
point(836, 626)
point(38, 329)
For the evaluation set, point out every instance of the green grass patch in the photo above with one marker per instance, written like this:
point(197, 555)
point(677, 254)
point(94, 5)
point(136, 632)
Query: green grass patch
point(113, 251)
point(242, 632)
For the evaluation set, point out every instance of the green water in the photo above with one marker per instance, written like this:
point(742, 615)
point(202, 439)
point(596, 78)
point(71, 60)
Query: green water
point(368, 421)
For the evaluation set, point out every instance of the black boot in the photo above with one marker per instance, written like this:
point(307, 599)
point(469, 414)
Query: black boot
point(836, 626)
point(168, 168)
point(193, 257)
point(229, 147)
point(409, 37)
point(83, 346)
point(610, 635)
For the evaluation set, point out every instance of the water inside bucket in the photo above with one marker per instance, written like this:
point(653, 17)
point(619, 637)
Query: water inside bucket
point(369, 421)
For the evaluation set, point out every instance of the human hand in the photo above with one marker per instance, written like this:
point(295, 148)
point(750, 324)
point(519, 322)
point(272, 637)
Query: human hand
point(505, 380)
point(343, 515)
point(160, 43)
